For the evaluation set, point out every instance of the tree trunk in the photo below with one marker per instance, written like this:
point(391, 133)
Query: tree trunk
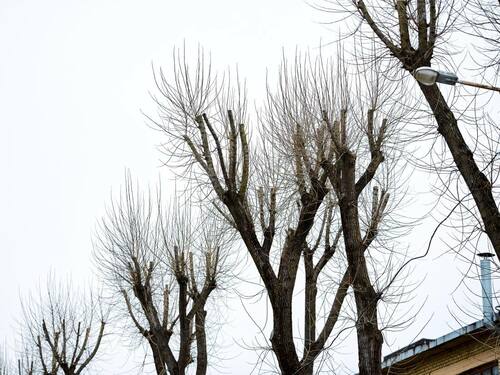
point(311, 292)
point(157, 357)
point(369, 336)
point(478, 184)
point(184, 328)
point(282, 335)
point(201, 343)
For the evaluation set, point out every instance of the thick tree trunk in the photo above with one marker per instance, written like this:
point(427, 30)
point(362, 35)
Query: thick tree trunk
point(369, 336)
point(282, 335)
point(201, 343)
point(311, 292)
point(478, 184)
point(184, 328)
point(159, 362)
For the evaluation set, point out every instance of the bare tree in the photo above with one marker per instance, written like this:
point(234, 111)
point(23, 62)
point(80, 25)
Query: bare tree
point(281, 195)
point(164, 268)
point(348, 186)
point(4, 363)
point(26, 364)
point(415, 33)
point(63, 331)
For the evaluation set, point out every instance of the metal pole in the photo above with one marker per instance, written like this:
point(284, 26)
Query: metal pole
point(486, 287)
point(479, 85)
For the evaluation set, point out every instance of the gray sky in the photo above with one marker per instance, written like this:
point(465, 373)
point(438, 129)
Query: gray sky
point(74, 76)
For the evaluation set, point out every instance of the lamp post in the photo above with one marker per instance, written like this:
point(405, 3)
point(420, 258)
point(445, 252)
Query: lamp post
point(429, 76)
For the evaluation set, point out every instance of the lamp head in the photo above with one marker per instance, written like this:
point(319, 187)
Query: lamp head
point(429, 76)
point(426, 75)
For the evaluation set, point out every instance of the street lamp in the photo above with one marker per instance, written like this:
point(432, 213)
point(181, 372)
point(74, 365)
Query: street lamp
point(428, 76)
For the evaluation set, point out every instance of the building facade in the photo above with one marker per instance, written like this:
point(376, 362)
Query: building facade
point(470, 350)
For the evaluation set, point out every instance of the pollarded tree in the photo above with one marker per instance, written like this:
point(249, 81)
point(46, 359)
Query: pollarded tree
point(163, 267)
point(415, 33)
point(62, 331)
point(348, 184)
point(281, 193)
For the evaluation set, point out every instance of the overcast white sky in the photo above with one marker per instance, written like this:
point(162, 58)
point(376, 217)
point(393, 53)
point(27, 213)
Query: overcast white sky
point(74, 76)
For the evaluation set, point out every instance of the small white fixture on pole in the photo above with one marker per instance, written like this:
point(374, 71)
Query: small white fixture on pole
point(428, 76)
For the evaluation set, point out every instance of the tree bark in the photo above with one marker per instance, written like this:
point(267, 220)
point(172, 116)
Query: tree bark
point(478, 184)
point(201, 343)
point(311, 291)
point(370, 338)
point(282, 335)
point(184, 328)
point(159, 362)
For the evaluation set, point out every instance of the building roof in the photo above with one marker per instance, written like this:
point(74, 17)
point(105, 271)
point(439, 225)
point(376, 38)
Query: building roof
point(425, 346)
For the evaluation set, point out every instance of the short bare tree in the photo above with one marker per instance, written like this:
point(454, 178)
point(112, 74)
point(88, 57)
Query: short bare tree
point(281, 195)
point(27, 360)
point(4, 362)
point(163, 266)
point(62, 331)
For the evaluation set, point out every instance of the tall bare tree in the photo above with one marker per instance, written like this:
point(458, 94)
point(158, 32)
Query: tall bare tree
point(63, 331)
point(415, 33)
point(164, 269)
point(281, 195)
